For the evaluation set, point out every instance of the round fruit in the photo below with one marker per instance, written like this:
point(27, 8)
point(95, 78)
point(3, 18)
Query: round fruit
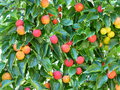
point(66, 79)
point(20, 30)
point(20, 55)
point(59, 9)
point(27, 88)
point(79, 7)
point(68, 63)
point(106, 40)
point(26, 49)
point(117, 87)
point(6, 76)
point(45, 19)
point(47, 85)
point(117, 21)
point(117, 26)
point(111, 75)
point(57, 75)
point(108, 29)
point(54, 39)
point(36, 33)
point(100, 9)
point(111, 34)
point(92, 39)
point(80, 60)
point(19, 23)
point(15, 47)
point(78, 71)
point(65, 48)
point(103, 31)
point(44, 3)
point(69, 43)
point(55, 21)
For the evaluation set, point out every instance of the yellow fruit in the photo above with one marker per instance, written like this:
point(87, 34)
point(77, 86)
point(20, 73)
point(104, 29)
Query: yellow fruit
point(50, 73)
point(103, 31)
point(106, 40)
point(117, 87)
point(117, 26)
point(66, 79)
point(108, 29)
point(20, 30)
point(111, 34)
point(6, 76)
point(20, 55)
point(106, 47)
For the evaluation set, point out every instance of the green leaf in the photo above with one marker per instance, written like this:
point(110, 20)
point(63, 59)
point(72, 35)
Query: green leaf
point(55, 85)
point(5, 47)
point(107, 21)
point(19, 81)
point(6, 83)
point(2, 65)
point(72, 71)
point(52, 10)
point(101, 80)
point(74, 53)
point(66, 22)
point(68, 2)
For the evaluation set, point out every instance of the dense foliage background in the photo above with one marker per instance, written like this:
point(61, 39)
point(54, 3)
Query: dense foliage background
point(45, 57)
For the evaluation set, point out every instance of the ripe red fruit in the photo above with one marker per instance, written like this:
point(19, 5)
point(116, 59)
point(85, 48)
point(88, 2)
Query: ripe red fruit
point(57, 75)
point(92, 39)
point(79, 7)
point(59, 9)
point(99, 8)
point(78, 71)
point(68, 63)
point(54, 39)
point(19, 23)
point(80, 60)
point(45, 19)
point(27, 88)
point(50, 14)
point(55, 21)
point(65, 48)
point(69, 43)
point(37, 33)
point(111, 75)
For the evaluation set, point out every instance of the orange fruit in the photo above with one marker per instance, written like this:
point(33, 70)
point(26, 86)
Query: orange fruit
point(65, 48)
point(79, 7)
point(111, 75)
point(59, 9)
point(45, 19)
point(20, 55)
point(66, 79)
point(100, 45)
point(47, 85)
point(6, 76)
point(44, 3)
point(15, 47)
point(117, 21)
point(20, 30)
point(26, 49)
point(117, 87)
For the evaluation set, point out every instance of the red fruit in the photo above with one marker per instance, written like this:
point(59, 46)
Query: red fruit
point(68, 63)
point(27, 88)
point(57, 75)
point(55, 21)
point(100, 9)
point(79, 7)
point(37, 33)
point(69, 43)
point(111, 75)
point(92, 38)
point(50, 14)
point(19, 23)
point(54, 39)
point(78, 71)
point(80, 60)
point(65, 48)
point(29, 44)
point(45, 19)
point(59, 9)
point(103, 63)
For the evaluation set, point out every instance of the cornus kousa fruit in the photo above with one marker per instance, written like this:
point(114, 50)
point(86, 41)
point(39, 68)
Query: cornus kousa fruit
point(47, 85)
point(65, 48)
point(111, 75)
point(45, 19)
point(6, 76)
point(19, 23)
point(26, 49)
point(66, 79)
point(20, 55)
point(15, 47)
point(20, 30)
point(36, 33)
point(27, 88)
point(59, 9)
point(79, 7)
point(54, 39)
point(44, 3)
point(117, 87)
point(57, 75)
point(55, 21)
point(69, 43)
point(117, 22)
point(78, 71)
point(99, 8)
point(92, 39)
point(80, 60)
point(68, 63)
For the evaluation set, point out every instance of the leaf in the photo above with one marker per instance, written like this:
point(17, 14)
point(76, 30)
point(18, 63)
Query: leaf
point(55, 85)
point(101, 80)
point(82, 79)
point(107, 21)
point(6, 83)
point(2, 66)
point(68, 2)
point(5, 47)
point(72, 71)
point(66, 22)
point(52, 11)
point(19, 81)
point(74, 53)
